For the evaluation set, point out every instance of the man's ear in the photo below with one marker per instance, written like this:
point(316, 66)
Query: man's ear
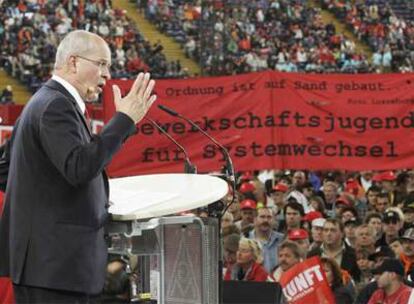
point(72, 64)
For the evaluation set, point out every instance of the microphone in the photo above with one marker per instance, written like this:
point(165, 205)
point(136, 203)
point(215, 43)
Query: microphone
point(229, 164)
point(188, 166)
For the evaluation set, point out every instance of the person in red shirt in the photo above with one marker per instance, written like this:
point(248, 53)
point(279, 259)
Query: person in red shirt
point(248, 263)
point(391, 290)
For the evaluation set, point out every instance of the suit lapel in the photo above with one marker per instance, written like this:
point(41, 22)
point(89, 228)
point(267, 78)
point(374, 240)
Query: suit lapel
point(52, 84)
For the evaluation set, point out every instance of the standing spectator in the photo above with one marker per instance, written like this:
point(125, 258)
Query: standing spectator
point(267, 238)
point(374, 220)
point(396, 246)
point(407, 256)
point(330, 191)
point(317, 232)
point(278, 196)
point(226, 220)
point(334, 247)
point(349, 229)
point(293, 213)
point(392, 225)
point(383, 202)
point(392, 289)
point(248, 213)
point(372, 196)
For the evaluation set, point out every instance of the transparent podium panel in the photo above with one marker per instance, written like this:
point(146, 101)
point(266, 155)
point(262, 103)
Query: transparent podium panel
point(177, 259)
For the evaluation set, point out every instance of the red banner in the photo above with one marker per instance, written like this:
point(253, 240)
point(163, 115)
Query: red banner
point(306, 283)
point(276, 120)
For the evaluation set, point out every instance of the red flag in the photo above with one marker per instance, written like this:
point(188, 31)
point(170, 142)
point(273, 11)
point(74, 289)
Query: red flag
point(6, 291)
point(306, 283)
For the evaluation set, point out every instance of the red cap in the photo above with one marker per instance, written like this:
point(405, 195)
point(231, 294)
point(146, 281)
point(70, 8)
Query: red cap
point(247, 204)
point(280, 187)
point(352, 186)
point(312, 215)
point(247, 187)
point(384, 176)
point(246, 176)
point(298, 234)
point(343, 200)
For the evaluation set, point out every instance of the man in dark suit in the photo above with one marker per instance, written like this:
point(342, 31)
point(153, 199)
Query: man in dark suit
point(52, 231)
point(334, 247)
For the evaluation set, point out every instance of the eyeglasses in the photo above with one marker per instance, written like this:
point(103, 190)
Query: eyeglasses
point(102, 64)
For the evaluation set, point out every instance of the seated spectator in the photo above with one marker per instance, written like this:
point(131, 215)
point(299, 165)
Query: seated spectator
point(342, 294)
point(300, 237)
point(230, 248)
point(248, 263)
point(7, 95)
point(289, 255)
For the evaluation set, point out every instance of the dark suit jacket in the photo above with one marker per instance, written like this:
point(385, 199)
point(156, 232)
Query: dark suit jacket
point(51, 232)
point(348, 261)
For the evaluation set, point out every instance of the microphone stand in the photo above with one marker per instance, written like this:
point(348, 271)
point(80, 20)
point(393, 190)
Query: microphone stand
point(217, 207)
point(188, 166)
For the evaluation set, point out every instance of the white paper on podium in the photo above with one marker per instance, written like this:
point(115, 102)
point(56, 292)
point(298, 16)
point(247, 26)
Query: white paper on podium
point(148, 196)
point(126, 200)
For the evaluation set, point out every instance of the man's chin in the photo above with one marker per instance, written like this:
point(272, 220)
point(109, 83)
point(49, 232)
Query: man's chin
point(92, 97)
point(92, 94)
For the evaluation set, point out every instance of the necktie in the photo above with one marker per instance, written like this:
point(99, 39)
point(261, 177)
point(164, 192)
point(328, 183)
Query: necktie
point(88, 120)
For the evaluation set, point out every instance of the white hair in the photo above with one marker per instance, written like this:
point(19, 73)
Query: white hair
point(78, 42)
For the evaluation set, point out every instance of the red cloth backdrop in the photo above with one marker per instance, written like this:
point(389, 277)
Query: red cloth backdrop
point(6, 287)
point(276, 120)
point(306, 283)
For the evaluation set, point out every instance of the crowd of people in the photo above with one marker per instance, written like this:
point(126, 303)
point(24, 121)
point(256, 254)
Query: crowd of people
point(391, 37)
point(31, 30)
point(361, 225)
point(232, 37)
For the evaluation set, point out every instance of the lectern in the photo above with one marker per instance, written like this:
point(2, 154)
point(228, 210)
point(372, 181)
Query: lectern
point(178, 256)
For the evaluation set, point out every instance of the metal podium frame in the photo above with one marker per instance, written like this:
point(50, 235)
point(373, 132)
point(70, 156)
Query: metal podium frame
point(146, 239)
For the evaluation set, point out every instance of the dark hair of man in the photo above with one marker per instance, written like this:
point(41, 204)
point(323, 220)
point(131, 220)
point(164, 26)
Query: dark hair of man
point(292, 246)
point(350, 209)
point(374, 188)
point(371, 215)
point(336, 222)
point(384, 195)
point(295, 206)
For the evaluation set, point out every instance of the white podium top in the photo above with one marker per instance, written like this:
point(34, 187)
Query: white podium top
point(146, 196)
